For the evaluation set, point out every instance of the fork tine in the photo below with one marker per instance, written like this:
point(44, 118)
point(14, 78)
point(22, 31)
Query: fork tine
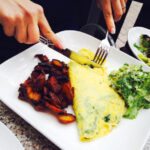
point(42, 37)
point(45, 40)
point(101, 54)
point(96, 54)
point(104, 58)
point(101, 57)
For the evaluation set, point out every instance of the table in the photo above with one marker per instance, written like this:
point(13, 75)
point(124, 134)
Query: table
point(30, 138)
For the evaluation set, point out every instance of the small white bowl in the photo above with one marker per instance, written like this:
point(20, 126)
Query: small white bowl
point(134, 37)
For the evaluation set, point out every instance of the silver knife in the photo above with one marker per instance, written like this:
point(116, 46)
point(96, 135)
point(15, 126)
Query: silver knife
point(70, 54)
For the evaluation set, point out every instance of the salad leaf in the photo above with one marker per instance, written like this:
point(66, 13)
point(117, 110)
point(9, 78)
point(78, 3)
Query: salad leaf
point(138, 47)
point(144, 58)
point(144, 48)
point(131, 113)
point(133, 84)
point(145, 43)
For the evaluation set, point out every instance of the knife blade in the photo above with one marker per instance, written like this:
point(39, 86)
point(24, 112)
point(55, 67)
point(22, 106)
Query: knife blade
point(70, 54)
point(76, 57)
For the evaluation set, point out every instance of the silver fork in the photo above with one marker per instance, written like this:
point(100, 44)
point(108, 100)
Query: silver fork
point(102, 51)
point(46, 41)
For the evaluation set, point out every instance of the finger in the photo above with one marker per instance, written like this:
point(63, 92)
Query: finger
point(126, 1)
point(33, 33)
point(8, 25)
point(123, 5)
point(21, 30)
point(47, 32)
point(9, 29)
point(107, 11)
point(117, 10)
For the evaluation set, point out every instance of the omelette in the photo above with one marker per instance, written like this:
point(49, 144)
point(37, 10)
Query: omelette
point(98, 108)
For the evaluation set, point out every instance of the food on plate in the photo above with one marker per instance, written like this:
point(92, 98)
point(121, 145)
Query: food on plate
point(144, 58)
point(66, 118)
point(133, 84)
point(98, 108)
point(145, 43)
point(49, 88)
point(98, 99)
point(144, 48)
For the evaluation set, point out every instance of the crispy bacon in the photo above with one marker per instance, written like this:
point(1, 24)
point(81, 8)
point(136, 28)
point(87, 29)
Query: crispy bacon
point(65, 70)
point(49, 87)
point(57, 63)
point(68, 91)
point(66, 118)
point(64, 103)
point(54, 99)
point(62, 79)
point(39, 82)
point(45, 90)
point(42, 58)
point(56, 72)
point(23, 92)
point(39, 107)
point(53, 84)
point(43, 67)
point(35, 74)
point(28, 82)
point(33, 95)
point(54, 109)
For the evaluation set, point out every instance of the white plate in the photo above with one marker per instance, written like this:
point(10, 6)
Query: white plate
point(129, 135)
point(134, 37)
point(8, 141)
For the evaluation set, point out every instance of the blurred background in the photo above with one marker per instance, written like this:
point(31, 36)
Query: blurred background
point(75, 15)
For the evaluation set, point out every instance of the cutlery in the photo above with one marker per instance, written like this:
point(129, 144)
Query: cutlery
point(102, 51)
point(70, 54)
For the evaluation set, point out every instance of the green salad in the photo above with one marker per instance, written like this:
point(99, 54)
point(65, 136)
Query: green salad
point(144, 48)
point(133, 84)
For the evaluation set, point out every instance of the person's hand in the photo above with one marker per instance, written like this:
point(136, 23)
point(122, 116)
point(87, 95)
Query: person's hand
point(25, 20)
point(113, 11)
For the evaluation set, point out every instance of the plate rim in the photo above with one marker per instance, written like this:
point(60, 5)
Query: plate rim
point(11, 135)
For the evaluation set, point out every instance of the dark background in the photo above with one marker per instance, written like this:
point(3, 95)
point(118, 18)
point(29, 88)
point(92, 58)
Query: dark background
point(143, 18)
point(67, 15)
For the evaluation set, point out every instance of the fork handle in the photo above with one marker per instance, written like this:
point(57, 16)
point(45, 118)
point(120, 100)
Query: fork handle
point(93, 29)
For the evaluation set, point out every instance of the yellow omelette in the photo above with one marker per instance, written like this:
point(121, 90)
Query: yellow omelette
point(98, 108)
